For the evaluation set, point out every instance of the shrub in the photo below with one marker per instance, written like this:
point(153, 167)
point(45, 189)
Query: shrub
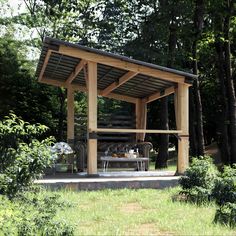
point(225, 186)
point(199, 180)
point(22, 157)
point(33, 214)
point(226, 214)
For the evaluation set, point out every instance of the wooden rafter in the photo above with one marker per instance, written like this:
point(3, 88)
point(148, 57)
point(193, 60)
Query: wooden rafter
point(123, 79)
point(118, 63)
point(77, 70)
point(49, 52)
point(84, 89)
point(160, 94)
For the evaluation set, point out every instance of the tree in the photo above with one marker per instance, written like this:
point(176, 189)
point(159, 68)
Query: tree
point(197, 139)
point(222, 24)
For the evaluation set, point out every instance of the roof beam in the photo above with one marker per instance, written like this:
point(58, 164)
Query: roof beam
point(118, 63)
point(123, 79)
point(76, 71)
point(57, 83)
point(84, 89)
point(46, 59)
point(160, 94)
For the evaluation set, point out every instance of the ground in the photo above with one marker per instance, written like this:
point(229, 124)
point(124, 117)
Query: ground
point(139, 212)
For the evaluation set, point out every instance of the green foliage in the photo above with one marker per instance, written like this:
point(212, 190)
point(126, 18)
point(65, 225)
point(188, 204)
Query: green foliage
point(199, 180)
point(33, 213)
point(225, 187)
point(224, 194)
point(201, 173)
point(22, 157)
point(21, 93)
point(203, 183)
point(226, 214)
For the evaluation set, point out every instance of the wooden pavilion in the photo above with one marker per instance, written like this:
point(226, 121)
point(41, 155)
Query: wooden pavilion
point(79, 68)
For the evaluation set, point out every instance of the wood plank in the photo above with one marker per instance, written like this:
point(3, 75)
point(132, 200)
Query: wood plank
point(176, 106)
point(106, 60)
point(183, 124)
point(70, 114)
point(120, 97)
point(150, 131)
point(92, 117)
point(85, 76)
point(141, 116)
point(123, 79)
point(160, 94)
point(84, 89)
point(49, 52)
point(76, 71)
point(57, 83)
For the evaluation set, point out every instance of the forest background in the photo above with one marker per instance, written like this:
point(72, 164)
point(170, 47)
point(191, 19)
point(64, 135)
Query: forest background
point(196, 36)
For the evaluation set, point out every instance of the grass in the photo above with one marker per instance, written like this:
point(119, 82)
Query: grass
point(171, 166)
point(138, 212)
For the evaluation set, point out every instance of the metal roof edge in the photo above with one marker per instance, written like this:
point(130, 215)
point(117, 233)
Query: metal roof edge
point(56, 43)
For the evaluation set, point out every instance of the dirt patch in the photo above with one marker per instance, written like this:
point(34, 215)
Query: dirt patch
point(146, 229)
point(131, 208)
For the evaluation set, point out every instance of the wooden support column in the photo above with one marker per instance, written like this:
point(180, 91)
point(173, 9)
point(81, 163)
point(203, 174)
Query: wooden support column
point(182, 111)
point(92, 117)
point(176, 107)
point(141, 118)
point(70, 115)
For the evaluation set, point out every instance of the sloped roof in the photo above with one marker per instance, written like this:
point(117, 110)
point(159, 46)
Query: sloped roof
point(60, 60)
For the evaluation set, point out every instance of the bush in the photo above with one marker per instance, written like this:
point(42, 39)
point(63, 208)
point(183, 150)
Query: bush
point(22, 157)
point(226, 214)
point(199, 180)
point(225, 186)
point(33, 214)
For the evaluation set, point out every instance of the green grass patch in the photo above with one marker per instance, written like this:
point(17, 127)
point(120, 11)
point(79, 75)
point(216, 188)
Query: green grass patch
point(138, 212)
point(172, 166)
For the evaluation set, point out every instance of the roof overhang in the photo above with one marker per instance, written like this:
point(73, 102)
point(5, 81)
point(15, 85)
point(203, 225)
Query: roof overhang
point(64, 64)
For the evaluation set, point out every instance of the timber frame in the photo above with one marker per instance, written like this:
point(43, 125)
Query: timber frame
point(99, 73)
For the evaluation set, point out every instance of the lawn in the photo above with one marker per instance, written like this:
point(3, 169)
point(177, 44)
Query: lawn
point(138, 212)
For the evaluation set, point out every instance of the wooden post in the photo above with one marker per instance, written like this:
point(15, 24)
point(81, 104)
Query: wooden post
point(176, 107)
point(70, 115)
point(141, 118)
point(182, 104)
point(92, 118)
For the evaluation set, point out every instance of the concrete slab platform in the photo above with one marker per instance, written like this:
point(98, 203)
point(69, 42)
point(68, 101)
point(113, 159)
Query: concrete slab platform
point(111, 180)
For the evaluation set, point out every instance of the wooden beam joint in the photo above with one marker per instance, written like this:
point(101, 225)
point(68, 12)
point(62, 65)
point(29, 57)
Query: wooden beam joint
point(76, 71)
point(123, 79)
point(160, 94)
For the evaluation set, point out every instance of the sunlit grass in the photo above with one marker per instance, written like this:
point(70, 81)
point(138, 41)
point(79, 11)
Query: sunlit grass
point(138, 212)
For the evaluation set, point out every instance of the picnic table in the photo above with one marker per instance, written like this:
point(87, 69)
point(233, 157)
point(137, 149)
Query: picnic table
point(140, 161)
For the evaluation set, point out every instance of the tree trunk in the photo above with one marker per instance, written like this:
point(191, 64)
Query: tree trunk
point(230, 88)
point(192, 122)
point(198, 25)
point(61, 115)
point(163, 154)
point(224, 138)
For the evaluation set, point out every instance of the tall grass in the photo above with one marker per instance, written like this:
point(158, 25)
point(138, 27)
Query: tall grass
point(139, 212)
